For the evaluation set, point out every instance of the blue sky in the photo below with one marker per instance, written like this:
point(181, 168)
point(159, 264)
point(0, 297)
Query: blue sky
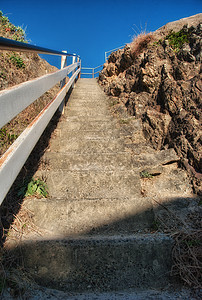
point(91, 27)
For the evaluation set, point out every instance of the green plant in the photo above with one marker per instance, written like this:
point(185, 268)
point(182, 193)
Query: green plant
point(35, 187)
point(4, 20)
point(155, 225)
point(7, 137)
point(17, 61)
point(11, 31)
point(124, 121)
point(2, 75)
point(192, 242)
point(114, 102)
point(2, 284)
point(11, 137)
point(145, 174)
point(178, 39)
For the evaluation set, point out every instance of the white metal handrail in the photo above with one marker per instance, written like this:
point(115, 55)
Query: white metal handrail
point(92, 73)
point(15, 100)
point(112, 50)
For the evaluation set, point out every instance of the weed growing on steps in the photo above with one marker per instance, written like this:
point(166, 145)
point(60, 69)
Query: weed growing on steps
point(145, 174)
point(124, 121)
point(36, 187)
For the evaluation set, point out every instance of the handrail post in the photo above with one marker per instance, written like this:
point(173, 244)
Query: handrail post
point(78, 60)
point(73, 61)
point(93, 72)
point(62, 82)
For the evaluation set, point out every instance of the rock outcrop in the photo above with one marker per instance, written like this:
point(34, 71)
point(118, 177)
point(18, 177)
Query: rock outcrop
point(157, 78)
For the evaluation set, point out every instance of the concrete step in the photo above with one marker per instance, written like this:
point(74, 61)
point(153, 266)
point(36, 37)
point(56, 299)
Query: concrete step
point(89, 96)
point(59, 218)
point(88, 118)
point(68, 136)
point(85, 145)
point(90, 124)
point(86, 106)
point(99, 263)
point(93, 184)
point(87, 113)
point(42, 293)
point(88, 161)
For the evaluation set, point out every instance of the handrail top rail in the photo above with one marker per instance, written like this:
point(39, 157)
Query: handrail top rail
point(7, 44)
point(115, 48)
point(87, 68)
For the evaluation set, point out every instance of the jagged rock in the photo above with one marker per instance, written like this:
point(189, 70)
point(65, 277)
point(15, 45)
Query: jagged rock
point(155, 127)
point(163, 86)
point(111, 69)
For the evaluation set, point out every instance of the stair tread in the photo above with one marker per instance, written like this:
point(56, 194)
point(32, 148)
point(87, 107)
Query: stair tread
point(93, 183)
point(95, 225)
point(69, 216)
point(112, 263)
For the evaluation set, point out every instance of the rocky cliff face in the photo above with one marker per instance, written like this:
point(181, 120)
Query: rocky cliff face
point(157, 78)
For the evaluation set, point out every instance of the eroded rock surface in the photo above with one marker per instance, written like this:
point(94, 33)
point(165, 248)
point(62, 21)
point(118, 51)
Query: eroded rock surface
point(161, 85)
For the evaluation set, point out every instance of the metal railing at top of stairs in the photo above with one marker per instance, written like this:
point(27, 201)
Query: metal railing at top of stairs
point(16, 99)
point(107, 53)
point(91, 71)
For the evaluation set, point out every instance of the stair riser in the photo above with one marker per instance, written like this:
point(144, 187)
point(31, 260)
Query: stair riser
point(99, 264)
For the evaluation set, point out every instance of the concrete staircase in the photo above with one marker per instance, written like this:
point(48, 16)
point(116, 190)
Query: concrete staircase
point(96, 223)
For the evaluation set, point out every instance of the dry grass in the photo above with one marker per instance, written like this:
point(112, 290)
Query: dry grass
point(140, 43)
point(187, 256)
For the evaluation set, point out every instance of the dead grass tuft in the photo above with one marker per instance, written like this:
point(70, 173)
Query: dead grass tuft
point(187, 256)
point(140, 43)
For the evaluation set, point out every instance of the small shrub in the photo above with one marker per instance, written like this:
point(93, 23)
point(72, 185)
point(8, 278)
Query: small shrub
point(178, 39)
